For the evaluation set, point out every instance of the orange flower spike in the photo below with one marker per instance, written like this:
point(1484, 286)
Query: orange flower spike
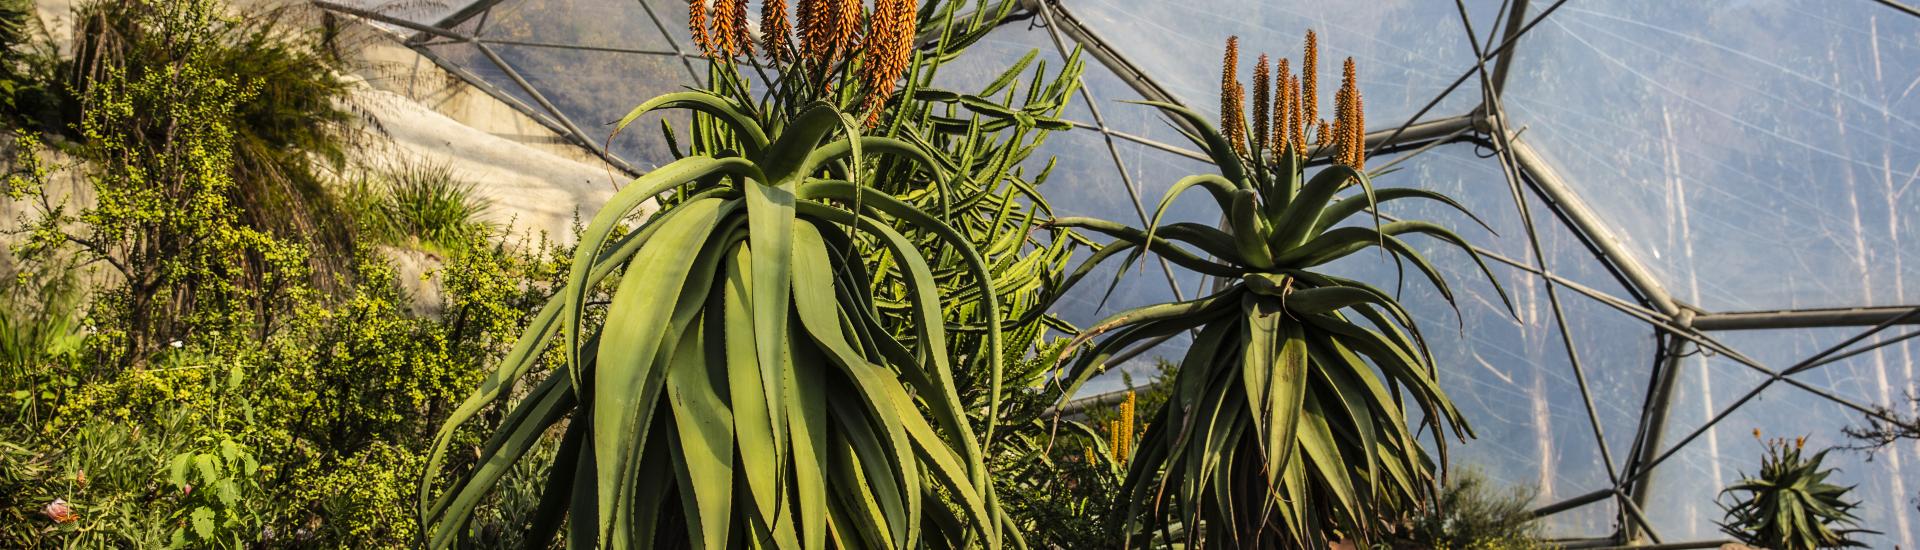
point(1359, 131)
point(889, 47)
point(1323, 135)
point(1262, 102)
point(1281, 136)
point(697, 24)
point(1297, 130)
point(1342, 146)
point(774, 29)
point(1347, 131)
point(1232, 113)
point(730, 28)
point(1309, 77)
point(846, 26)
point(816, 34)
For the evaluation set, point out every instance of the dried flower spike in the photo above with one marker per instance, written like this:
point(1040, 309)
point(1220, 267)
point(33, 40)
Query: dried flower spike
point(1309, 76)
point(889, 46)
point(1262, 102)
point(775, 31)
point(59, 511)
point(1281, 104)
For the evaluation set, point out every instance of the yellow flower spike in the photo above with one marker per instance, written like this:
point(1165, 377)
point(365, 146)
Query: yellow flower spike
point(846, 26)
point(816, 31)
point(1297, 130)
point(1125, 447)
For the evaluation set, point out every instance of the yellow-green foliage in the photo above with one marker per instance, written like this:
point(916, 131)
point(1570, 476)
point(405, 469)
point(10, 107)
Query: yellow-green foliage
point(366, 500)
point(159, 146)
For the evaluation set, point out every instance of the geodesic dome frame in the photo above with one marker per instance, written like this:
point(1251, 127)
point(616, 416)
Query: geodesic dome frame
point(1703, 211)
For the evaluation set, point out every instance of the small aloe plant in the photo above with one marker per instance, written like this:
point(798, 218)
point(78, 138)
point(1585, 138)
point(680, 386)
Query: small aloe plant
point(1790, 505)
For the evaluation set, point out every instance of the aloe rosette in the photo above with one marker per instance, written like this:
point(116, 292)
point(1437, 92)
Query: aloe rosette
point(741, 389)
point(1288, 420)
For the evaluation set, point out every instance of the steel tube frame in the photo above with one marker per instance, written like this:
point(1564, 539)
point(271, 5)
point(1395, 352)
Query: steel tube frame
point(567, 127)
point(1802, 318)
point(1548, 182)
point(1654, 414)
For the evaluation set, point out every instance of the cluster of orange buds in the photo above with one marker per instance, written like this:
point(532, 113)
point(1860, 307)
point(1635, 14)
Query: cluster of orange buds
point(889, 48)
point(1286, 107)
point(828, 32)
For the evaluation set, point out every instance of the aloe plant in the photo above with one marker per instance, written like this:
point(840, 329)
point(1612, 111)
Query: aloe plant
point(1288, 420)
point(777, 361)
point(704, 396)
point(1789, 505)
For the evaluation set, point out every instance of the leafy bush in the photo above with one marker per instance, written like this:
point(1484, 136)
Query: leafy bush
point(287, 113)
point(160, 143)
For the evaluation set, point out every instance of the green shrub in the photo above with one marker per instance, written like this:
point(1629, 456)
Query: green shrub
point(420, 204)
point(40, 338)
point(180, 472)
point(15, 16)
point(364, 501)
point(159, 144)
point(1472, 513)
point(287, 114)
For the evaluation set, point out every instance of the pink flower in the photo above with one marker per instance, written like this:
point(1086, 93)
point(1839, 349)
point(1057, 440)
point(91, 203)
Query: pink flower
point(59, 512)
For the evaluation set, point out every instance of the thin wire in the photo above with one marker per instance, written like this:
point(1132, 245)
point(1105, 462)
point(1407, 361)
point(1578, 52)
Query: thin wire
point(1504, 44)
point(1113, 150)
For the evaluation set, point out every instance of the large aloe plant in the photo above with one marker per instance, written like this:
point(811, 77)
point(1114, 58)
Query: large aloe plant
point(704, 396)
point(776, 365)
point(1789, 505)
point(1288, 420)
